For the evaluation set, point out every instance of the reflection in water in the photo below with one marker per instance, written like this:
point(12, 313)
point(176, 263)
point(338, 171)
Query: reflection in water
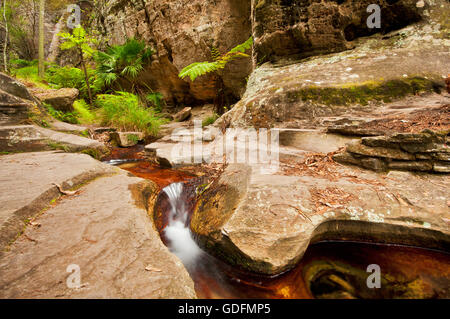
point(327, 270)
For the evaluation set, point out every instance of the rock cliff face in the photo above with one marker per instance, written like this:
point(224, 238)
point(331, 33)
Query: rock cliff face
point(285, 90)
point(182, 32)
point(309, 27)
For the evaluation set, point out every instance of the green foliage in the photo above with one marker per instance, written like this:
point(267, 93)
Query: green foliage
point(210, 120)
point(83, 112)
point(194, 70)
point(78, 39)
point(133, 138)
point(123, 110)
point(67, 117)
point(69, 77)
point(122, 61)
point(21, 63)
point(156, 100)
point(30, 74)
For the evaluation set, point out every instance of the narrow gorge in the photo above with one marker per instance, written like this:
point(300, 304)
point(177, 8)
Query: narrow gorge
point(225, 149)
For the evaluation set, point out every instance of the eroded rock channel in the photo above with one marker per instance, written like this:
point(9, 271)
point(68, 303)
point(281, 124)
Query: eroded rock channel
point(331, 267)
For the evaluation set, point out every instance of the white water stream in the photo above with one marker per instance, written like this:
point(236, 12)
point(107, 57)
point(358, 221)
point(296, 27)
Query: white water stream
point(177, 231)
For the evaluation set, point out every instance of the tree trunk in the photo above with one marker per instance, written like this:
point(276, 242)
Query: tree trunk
point(219, 100)
point(86, 76)
point(5, 57)
point(41, 39)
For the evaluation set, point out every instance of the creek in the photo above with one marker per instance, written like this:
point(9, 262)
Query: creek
point(332, 269)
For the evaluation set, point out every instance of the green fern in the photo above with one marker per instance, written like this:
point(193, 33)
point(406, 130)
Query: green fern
point(194, 70)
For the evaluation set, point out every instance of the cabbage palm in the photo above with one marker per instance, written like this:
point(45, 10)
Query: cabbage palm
point(122, 62)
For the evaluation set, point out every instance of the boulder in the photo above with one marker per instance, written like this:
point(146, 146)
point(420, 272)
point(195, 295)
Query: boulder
point(264, 223)
point(15, 101)
point(183, 115)
point(61, 100)
point(127, 139)
point(14, 87)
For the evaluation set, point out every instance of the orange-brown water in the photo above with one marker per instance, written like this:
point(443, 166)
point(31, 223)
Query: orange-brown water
point(334, 270)
point(327, 270)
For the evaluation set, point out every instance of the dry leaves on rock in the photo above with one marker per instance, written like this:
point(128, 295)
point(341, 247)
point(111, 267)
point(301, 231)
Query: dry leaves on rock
point(330, 197)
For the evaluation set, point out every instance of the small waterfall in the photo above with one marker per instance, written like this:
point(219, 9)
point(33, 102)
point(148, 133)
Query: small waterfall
point(177, 231)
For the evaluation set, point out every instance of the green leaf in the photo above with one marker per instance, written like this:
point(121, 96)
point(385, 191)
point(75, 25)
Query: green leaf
point(247, 45)
point(67, 45)
point(197, 69)
point(194, 70)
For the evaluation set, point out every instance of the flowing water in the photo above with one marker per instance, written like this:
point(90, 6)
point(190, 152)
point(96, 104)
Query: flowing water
point(327, 270)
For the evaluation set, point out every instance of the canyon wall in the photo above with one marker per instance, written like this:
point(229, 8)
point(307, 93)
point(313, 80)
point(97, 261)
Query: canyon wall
point(182, 32)
point(301, 28)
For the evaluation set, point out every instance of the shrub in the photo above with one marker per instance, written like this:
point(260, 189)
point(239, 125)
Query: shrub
point(122, 110)
point(122, 62)
point(68, 77)
point(67, 117)
point(29, 74)
point(83, 112)
point(156, 100)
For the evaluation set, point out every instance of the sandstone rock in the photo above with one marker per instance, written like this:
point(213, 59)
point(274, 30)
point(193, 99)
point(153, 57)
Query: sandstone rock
point(374, 164)
point(421, 166)
point(266, 224)
point(291, 92)
point(361, 149)
point(302, 28)
point(61, 99)
point(14, 87)
point(182, 32)
point(353, 130)
point(108, 234)
point(447, 83)
point(67, 127)
point(101, 130)
point(127, 139)
point(30, 138)
point(28, 188)
point(13, 110)
point(442, 167)
point(183, 115)
point(312, 140)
